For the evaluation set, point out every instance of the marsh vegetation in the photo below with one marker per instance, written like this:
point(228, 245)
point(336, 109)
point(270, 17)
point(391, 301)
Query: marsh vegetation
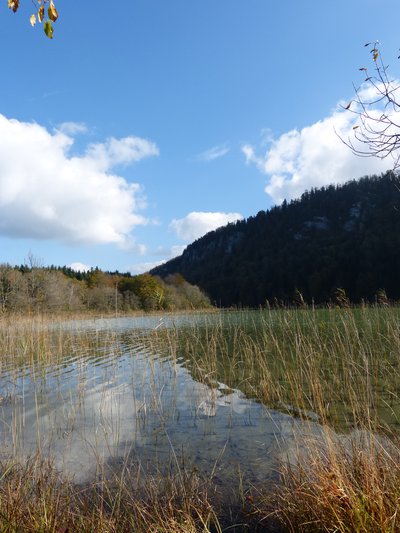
point(284, 419)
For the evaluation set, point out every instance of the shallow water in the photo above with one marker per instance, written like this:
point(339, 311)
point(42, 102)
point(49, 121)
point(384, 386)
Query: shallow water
point(123, 403)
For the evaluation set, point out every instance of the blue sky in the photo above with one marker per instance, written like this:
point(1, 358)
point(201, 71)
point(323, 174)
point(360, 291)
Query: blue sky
point(144, 124)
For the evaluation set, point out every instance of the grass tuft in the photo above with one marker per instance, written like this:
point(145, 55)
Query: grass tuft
point(34, 497)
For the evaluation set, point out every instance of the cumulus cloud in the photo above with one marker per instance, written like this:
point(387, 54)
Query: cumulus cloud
point(214, 153)
point(312, 157)
point(47, 193)
point(79, 267)
point(196, 224)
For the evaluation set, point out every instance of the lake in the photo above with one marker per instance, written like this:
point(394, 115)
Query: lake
point(113, 396)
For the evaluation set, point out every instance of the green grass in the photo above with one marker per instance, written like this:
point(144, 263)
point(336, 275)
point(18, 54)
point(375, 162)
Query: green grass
point(341, 364)
point(338, 366)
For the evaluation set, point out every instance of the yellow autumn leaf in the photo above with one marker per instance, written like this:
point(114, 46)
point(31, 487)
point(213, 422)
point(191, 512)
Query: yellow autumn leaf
point(41, 13)
point(32, 19)
point(52, 12)
point(13, 4)
point(375, 57)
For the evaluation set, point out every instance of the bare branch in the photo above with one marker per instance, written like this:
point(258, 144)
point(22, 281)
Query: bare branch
point(376, 105)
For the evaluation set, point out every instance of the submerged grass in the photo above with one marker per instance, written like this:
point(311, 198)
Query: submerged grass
point(342, 366)
point(338, 367)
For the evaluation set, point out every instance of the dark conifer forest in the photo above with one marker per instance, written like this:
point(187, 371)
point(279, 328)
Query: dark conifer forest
point(338, 237)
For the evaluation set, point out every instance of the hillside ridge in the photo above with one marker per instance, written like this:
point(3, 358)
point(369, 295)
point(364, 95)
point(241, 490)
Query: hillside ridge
point(340, 236)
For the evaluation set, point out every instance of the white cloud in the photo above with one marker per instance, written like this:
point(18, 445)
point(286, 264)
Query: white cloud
point(141, 268)
point(169, 253)
point(312, 157)
point(214, 153)
point(121, 151)
point(176, 250)
point(130, 245)
point(46, 193)
point(267, 136)
point(166, 253)
point(72, 128)
point(79, 267)
point(197, 224)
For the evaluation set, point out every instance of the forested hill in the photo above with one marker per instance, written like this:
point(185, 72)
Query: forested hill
point(344, 236)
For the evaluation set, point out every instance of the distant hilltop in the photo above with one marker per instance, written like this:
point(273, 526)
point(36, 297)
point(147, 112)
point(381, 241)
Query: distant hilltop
point(338, 237)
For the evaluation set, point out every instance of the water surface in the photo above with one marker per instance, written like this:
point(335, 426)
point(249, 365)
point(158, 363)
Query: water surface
point(118, 400)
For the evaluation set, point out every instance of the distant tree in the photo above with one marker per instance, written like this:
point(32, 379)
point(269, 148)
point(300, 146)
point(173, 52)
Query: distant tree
point(45, 12)
point(98, 278)
point(101, 298)
point(5, 286)
point(35, 282)
point(179, 294)
point(377, 105)
point(130, 301)
point(60, 293)
point(147, 288)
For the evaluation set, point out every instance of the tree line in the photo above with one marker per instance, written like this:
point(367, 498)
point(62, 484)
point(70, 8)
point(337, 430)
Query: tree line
point(29, 288)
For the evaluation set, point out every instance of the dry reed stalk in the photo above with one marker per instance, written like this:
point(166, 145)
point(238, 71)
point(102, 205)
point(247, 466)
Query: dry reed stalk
point(342, 485)
point(34, 497)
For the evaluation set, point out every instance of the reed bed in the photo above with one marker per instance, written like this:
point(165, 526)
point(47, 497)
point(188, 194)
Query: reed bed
point(338, 368)
point(350, 485)
point(34, 497)
point(341, 366)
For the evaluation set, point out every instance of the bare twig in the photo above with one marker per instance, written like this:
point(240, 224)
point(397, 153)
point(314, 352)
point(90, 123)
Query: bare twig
point(376, 104)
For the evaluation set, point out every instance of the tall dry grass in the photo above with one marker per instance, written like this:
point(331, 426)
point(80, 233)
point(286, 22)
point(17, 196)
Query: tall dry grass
point(34, 497)
point(350, 485)
point(338, 367)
